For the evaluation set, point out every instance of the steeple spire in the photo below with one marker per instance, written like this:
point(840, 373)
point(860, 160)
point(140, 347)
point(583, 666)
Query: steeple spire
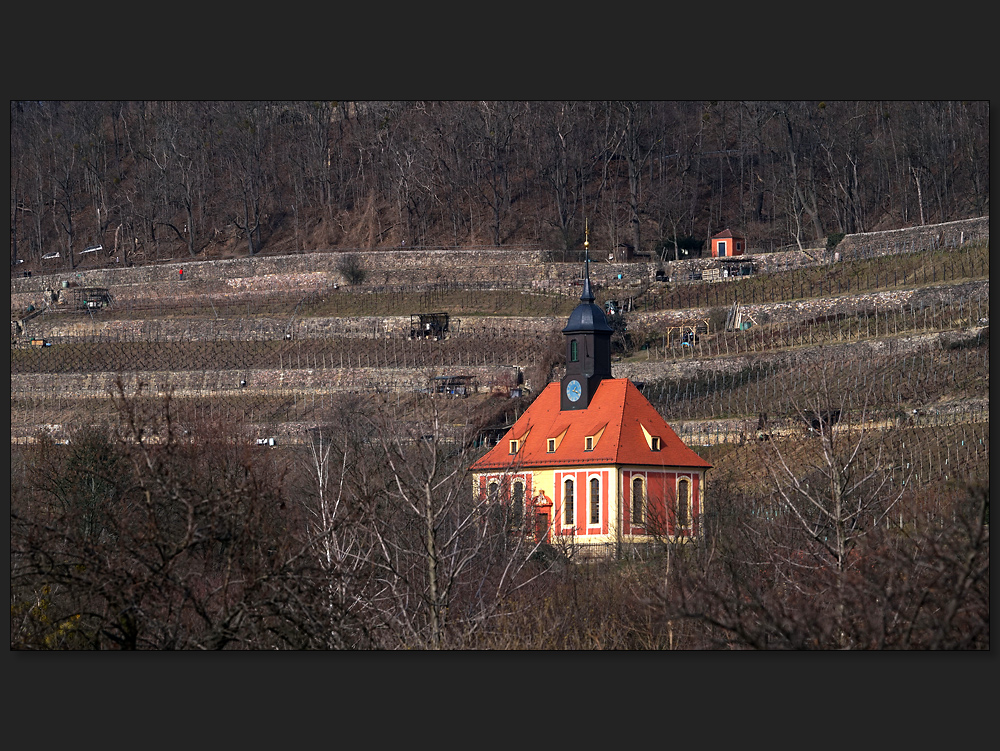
point(588, 295)
point(587, 316)
point(588, 345)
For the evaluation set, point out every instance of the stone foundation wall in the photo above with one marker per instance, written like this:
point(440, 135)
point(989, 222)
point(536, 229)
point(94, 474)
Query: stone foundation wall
point(271, 383)
point(814, 307)
point(383, 267)
point(910, 239)
point(273, 329)
point(522, 269)
point(692, 367)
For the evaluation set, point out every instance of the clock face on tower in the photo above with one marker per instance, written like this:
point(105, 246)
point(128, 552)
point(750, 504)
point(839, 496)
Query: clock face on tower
point(573, 390)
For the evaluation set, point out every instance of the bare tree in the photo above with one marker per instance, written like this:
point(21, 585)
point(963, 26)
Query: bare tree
point(847, 487)
point(65, 173)
point(342, 481)
point(802, 555)
point(562, 150)
point(800, 125)
point(247, 129)
point(638, 144)
point(493, 127)
point(446, 558)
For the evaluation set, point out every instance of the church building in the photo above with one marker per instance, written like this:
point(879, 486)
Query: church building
point(591, 462)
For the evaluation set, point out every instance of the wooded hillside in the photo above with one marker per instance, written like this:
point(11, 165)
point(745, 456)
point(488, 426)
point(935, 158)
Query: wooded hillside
point(149, 181)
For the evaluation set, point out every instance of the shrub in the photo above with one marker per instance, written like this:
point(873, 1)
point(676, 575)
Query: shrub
point(717, 318)
point(352, 266)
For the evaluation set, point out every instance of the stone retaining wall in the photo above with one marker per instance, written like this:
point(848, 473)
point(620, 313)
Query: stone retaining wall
point(273, 329)
point(270, 383)
point(529, 267)
point(867, 349)
point(910, 239)
point(383, 267)
point(305, 383)
point(504, 269)
point(813, 307)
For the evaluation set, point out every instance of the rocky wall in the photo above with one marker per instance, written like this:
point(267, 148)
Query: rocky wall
point(814, 307)
point(270, 383)
point(764, 263)
point(272, 329)
point(692, 367)
point(911, 239)
point(259, 328)
point(382, 266)
point(531, 269)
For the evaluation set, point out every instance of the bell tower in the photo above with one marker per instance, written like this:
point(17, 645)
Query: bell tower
point(588, 346)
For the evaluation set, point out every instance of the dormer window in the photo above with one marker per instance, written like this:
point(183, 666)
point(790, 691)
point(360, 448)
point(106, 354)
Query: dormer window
point(654, 442)
point(513, 447)
point(591, 441)
point(552, 442)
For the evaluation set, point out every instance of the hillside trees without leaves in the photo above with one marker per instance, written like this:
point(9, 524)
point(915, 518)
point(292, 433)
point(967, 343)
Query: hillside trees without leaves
point(155, 180)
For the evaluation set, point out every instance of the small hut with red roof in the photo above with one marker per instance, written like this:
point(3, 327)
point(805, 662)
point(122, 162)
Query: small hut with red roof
point(726, 244)
point(591, 460)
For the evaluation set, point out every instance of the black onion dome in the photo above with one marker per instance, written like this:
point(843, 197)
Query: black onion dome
point(587, 316)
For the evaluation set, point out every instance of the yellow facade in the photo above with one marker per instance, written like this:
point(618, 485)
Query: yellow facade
point(544, 495)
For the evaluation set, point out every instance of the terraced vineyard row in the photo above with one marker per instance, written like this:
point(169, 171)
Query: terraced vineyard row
point(898, 348)
point(144, 350)
point(850, 277)
point(323, 354)
point(887, 385)
point(910, 459)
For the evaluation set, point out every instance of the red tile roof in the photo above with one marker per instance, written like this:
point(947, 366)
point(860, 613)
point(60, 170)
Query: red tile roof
point(617, 408)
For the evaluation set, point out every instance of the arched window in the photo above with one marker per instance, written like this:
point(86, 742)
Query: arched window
point(568, 503)
point(595, 501)
point(574, 353)
point(492, 491)
point(637, 501)
point(517, 504)
point(683, 501)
